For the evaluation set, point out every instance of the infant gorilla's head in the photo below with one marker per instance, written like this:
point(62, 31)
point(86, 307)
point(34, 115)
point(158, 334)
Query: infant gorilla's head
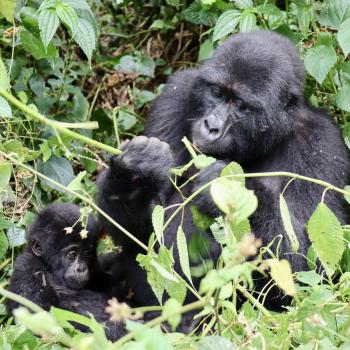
point(55, 237)
point(245, 95)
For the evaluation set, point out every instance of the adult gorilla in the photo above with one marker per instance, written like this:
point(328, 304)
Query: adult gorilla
point(244, 104)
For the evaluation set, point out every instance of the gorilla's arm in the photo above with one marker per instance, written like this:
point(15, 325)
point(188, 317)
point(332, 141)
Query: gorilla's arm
point(128, 189)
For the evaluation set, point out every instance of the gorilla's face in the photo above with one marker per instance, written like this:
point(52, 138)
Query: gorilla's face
point(245, 96)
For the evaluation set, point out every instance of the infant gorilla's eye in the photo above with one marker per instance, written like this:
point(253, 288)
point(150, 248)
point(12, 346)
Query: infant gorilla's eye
point(71, 255)
point(241, 105)
point(216, 91)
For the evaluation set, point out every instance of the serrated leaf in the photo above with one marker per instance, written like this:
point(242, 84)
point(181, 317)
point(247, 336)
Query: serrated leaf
point(58, 169)
point(343, 37)
point(78, 4)
point(233, 199)
point(7, 9)
point(48, 24)
point(226, 24)
point(158, 222)
point(5, 108)
point(183, 253)
point(342, 99)
point(319, 61)
point(326, 234)
point(49, 4)
point(4, 244)
point(5, 174)
point(233, 169)
point(244, 4)
point(247, 22)
point(170, 307)
point(68, 16)
point(4, 78)
point(288, 226)
point(85, 37)
point(335, 12)
point(281, 272)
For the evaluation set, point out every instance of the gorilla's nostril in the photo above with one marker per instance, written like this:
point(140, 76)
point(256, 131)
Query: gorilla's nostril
point(206, 124)
point(213, 131)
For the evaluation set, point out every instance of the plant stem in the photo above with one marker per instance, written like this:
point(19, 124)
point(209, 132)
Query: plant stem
point(57, 125)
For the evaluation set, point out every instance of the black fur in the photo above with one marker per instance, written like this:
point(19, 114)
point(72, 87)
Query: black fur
point(244, 104)
point(40, 271)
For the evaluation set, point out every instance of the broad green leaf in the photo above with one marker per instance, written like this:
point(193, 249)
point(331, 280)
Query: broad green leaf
point(16, 236)
point(319, 61)
point(281, 272)
point(85, 37)
point(37, 84)
point(4, 79)
point(335, 12)
point(48, 24)
point(7, 9)
point(288, 226)
point(68, 16)
point(326, 234)
point(158, 222)
point(5, 108)
point(58, 169)
point(75, 184)
point(343, 37)
point(226, 24)
point(29, 18)
point(4, 244)
point(269, 9)
point(304, 18)
point(35, 46)
point(342, 98)
point(78, 4)
point(205, 51)
point(347, 197)
point(233, 169)
point(143, 65)
point(244, 4)
point(247, 22)
point(202, 161)
point(214, 342)
point(46, 4)
point(183, 253)
point(5, 174)
point(170, 307)
point(312, 278)
point(233, 199)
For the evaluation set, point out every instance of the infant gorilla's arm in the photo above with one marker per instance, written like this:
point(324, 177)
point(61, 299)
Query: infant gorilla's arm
point(128, 189)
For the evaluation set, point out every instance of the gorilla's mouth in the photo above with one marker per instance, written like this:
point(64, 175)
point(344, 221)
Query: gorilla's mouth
point(74, 282)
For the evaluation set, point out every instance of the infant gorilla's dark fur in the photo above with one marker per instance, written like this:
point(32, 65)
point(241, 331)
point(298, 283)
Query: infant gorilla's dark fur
point(243, 104)
point(61, 269)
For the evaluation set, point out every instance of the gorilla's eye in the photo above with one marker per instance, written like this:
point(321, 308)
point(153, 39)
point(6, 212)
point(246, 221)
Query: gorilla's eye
point(241, 105)
point(72, 255)
point(216, 91)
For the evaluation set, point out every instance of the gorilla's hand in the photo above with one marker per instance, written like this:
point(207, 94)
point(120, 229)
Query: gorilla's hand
point(204, 201)
point(144, 158)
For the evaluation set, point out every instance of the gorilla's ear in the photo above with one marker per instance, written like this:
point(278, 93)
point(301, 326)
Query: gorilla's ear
point(36, 248)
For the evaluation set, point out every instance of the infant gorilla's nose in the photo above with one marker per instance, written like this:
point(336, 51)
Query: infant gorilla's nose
point(212, 127)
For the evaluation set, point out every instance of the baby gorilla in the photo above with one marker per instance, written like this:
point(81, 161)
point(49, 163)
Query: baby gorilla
point(60, 268)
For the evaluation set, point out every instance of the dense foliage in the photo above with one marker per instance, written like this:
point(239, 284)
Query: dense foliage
point(92, 69)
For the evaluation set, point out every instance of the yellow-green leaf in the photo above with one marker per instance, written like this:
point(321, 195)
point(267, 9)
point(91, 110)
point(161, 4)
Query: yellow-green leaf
point(281, 273)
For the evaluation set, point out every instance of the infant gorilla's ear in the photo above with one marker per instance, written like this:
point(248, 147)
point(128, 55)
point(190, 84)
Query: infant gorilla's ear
point(36, 248)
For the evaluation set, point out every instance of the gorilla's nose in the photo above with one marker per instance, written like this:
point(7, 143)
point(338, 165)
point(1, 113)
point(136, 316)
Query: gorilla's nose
point(212, 127)
point(82, 268)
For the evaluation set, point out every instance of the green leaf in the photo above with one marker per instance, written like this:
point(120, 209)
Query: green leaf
point(244, 4)
point(46, 4)
point(5, 108)
point(269, 9)
point(85, 37)
point(58, 169)
point(312, 278)
point(183, 253)
point(247, 22)
point(158, 222)
point(346, 196)
point(4, 79)
point(7, 9)
point(335, 12)
point(68, 16)
point(205, 51)
point(202, 161)
point(319, 61)
point(170, 307)
point(29, 18)
point(233, 169)
point(226, 24)
point(78, 4)
point(75, 184)
point(326, 234)
point(233, 199)
point(342, 99)
point(281, 272)
point(48, 24)
point(288, 226)
point(16, 236)
point(5, 174)
point(4, 244)
point(343, 37)
point(35, 46)
point(214, 342)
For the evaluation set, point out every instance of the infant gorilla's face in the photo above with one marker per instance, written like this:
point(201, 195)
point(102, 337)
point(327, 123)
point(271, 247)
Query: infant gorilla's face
point(76, 262)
